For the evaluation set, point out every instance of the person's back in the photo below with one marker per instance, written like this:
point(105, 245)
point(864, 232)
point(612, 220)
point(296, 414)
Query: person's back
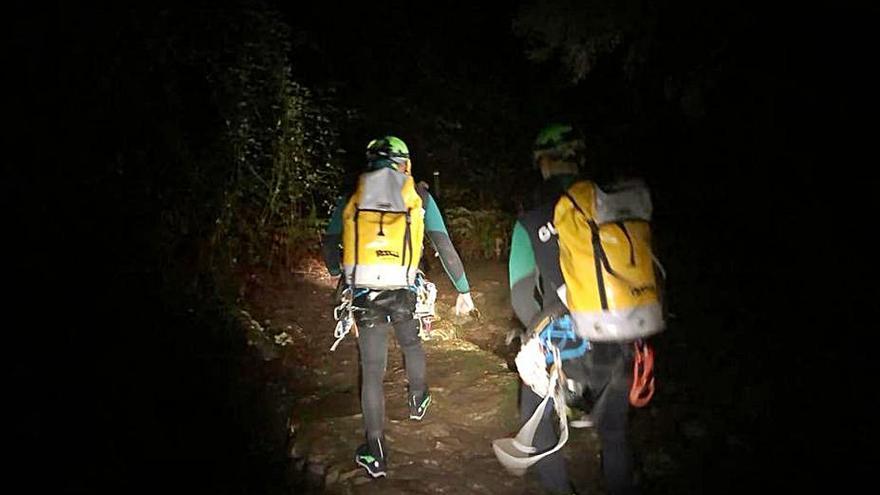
point(381, 227)
point(534, 268)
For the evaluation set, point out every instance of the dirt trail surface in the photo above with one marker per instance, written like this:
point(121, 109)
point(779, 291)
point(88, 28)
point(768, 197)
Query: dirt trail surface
point(475, 394)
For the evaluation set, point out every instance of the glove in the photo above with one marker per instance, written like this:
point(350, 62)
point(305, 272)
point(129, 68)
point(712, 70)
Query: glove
point(464, 304)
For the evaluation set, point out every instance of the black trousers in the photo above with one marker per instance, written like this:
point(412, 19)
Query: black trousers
point(382, 311)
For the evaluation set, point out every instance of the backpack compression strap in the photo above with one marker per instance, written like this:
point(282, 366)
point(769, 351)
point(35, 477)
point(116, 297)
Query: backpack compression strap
point(357, 211)
point(599, 255)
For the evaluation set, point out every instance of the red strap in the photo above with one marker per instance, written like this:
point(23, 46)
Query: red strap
point(643, 375)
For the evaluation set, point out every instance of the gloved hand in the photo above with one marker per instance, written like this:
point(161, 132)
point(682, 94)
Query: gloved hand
point(464, 304)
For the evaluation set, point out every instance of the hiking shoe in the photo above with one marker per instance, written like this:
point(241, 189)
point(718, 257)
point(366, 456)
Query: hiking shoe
point(418, 405)
point(374, 464)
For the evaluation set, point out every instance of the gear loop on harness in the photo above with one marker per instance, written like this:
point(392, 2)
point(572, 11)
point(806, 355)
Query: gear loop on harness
point(424, 311)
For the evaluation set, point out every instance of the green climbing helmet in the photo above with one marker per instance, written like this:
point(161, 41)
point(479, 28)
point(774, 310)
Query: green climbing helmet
point(559, 142)
point(388, 148)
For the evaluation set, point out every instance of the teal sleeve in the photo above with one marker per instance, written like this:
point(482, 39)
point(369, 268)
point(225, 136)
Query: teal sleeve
point(330, 245)
point(523, 276)
point(522, 257)
point(436, 231)
point(433, 218)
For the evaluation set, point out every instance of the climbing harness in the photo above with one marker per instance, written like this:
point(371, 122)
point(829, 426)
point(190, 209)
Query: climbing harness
point(559, 334)
point(550, 340)
point(425, 310)
point(547, 346)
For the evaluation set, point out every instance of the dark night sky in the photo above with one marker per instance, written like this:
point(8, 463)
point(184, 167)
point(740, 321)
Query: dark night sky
point(792, 72)
point(392, 60)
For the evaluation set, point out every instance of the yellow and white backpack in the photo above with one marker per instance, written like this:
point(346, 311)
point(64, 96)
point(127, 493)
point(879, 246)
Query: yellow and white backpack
point(383, 231)
point(607, 262)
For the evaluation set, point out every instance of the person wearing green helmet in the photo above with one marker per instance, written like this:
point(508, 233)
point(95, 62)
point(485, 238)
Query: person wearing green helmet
point(558, 154)
point(388, 151)
point(380, 311)
point(534, 269)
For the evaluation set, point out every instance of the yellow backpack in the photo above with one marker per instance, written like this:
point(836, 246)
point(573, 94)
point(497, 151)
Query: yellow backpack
point(383, 230)
point(607, 262)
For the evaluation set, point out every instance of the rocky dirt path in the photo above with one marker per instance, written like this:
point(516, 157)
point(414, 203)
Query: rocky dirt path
point(475, 394)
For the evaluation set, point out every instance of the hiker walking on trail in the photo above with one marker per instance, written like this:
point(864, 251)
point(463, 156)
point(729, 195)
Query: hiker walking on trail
point(590, 363)
point(381, 229)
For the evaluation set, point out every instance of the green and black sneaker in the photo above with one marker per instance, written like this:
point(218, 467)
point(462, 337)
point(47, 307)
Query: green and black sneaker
point(371, 460)
point(418, 405)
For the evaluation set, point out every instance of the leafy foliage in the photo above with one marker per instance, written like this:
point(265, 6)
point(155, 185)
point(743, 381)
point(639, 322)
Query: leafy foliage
point(480, 234)
point(220, 158)
point(578, 32)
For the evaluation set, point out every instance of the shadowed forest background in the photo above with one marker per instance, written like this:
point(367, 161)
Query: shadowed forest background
point(164, 151)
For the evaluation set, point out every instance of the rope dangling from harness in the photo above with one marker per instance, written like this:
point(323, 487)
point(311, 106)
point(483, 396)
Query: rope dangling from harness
point(642, 388)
